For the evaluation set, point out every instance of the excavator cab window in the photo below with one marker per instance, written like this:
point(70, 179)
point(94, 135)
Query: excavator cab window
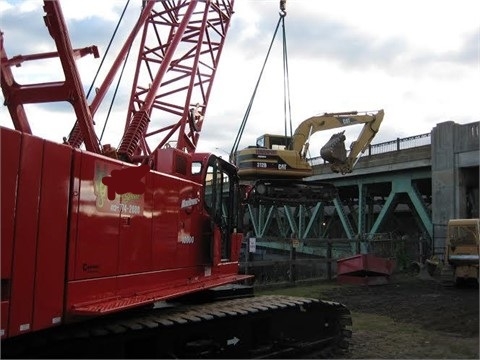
point(261, 142)
point(275, 142)
point(279, 142)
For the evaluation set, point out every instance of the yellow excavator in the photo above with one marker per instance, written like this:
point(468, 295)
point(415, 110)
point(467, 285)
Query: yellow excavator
point(277, 156)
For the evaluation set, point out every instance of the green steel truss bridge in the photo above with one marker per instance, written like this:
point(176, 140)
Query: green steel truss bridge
point(406, 188)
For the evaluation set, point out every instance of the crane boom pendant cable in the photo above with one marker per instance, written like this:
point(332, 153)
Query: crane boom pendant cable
point(101, 65)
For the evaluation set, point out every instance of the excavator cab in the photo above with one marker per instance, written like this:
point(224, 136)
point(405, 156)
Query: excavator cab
point(275, 142)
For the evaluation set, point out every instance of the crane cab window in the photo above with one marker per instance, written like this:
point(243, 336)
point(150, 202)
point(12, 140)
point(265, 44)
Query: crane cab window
point(221, 200)
point(196, 167)
point(220, 189)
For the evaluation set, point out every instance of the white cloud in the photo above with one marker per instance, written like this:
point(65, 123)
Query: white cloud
point(419, 60)
point(80, 10)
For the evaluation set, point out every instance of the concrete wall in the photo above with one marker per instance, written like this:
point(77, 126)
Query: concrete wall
point(455, 163)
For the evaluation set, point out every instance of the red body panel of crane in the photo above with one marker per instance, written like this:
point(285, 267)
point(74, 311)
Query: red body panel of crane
point(68, 248)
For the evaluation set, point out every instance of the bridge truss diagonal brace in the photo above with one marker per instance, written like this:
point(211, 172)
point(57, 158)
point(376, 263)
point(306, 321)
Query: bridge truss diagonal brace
point(260, 219)
point(362, 195)
point(347, 226)
point(317, 214)
point(421, 211)
point(404, 185)
point(382, 215)
point(289, 219)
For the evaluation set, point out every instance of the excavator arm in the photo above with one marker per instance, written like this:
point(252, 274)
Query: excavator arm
point(334, 150)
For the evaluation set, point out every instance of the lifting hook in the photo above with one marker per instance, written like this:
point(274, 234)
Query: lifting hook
point(283, 8)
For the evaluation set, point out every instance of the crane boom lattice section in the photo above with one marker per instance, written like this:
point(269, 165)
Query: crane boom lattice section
point(177, 61)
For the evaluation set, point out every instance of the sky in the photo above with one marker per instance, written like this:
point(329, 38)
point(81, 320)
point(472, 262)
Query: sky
point(417, 60)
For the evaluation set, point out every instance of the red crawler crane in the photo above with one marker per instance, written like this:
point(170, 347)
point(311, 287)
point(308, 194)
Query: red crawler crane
point(130, 250)
point(90, 234)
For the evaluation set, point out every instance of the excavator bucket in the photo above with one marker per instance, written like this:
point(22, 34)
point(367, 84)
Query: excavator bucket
point(334, 150)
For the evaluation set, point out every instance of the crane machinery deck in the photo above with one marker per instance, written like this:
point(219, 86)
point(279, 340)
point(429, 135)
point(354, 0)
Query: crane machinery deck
point(133, 251)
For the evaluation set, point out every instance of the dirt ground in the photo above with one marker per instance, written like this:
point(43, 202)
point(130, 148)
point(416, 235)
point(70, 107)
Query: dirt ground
point(436, 318)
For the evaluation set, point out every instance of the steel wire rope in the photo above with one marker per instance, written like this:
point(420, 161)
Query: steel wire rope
point(114, 94)
point(287, 107)
point(121, 73)
point(250, 104)
point(103, 60)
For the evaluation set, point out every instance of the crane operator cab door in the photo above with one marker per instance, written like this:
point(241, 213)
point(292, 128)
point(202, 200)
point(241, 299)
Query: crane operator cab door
point(221, 204)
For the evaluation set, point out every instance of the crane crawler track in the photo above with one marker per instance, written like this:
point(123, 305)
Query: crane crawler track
point(255, 327)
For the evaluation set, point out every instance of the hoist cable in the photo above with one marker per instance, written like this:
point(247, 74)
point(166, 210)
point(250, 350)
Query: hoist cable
point(286, 85)
point(250, 104)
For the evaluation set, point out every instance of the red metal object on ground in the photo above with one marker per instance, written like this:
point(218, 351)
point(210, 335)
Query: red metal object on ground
point(364, 269)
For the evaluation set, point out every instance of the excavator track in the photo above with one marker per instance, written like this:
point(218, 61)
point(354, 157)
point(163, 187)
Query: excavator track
point(255, 327)
point(290, 191)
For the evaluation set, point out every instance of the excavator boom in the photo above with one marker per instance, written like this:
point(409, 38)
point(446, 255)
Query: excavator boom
point(328, 121)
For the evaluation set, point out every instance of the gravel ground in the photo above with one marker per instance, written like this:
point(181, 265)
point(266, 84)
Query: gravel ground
point(428, 320)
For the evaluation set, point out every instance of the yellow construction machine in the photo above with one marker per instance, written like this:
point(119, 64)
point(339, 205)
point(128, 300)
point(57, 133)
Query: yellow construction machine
point(462, 251)
point(277, 156)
